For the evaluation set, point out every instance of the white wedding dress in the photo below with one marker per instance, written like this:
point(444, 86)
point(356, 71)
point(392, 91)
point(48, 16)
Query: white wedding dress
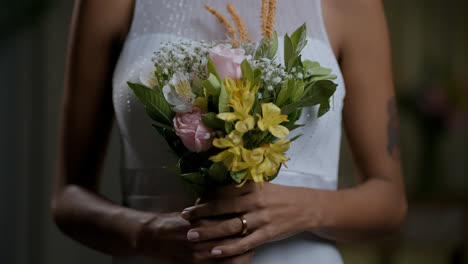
point(314, 156)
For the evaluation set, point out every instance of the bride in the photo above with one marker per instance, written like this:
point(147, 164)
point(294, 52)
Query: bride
point(296, 218)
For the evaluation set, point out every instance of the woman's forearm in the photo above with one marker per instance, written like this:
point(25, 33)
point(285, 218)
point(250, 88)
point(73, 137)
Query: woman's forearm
point(372, 208)
point(97, 222)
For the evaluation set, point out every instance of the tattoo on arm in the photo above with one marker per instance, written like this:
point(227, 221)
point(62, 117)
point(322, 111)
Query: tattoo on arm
point(393, 130)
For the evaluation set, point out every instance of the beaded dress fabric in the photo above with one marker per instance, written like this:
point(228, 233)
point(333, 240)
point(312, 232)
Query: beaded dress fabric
point(314, 156)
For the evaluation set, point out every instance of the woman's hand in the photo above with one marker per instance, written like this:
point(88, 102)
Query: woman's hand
point(165, 238)
point(272, 212)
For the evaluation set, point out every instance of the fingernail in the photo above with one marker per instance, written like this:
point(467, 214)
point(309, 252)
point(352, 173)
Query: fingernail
point(216, 252)
point(189, 208)
point(185, 214)
point(192, 235)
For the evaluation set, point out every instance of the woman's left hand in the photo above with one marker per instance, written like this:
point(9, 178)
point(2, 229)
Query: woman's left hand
point(272, 212)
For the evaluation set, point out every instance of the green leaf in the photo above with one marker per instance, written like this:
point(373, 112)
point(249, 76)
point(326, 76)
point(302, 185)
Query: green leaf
point(174, 142)
point(318, 93)
point(298, 90)
point(295, 62)
point(223, 100)
point(293, 117)
point(193, 177)
point(308, 101)
point(290, 91)
point(218, 172)
point(256, 108)
point(310, 64)
point(212, 85)
point(288, 51)
point(320, 71)
point(295, 126)
point(298, 39)
point(257, 77)
point(211, 121)
point(296, 137)
point(160, 125)
point(155, 104)
point(315, 69)
point(315, 72)
point(313, 88)
point(308, 87)
point(267, 48)
point(196, 89)
point(321, 77)
point(262, 49)
point(324, 107)
point(322, 90)
point(212, 69)
point(257, 74)
point(283, 94)
point(247, 72)
point(173, 169)
point(238, 176)
point(273, 46)
point(160, 130)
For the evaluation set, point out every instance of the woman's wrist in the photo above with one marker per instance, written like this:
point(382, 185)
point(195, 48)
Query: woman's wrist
point(309, 208)
point(374, 207)
point(97, 222)
point(141, 223)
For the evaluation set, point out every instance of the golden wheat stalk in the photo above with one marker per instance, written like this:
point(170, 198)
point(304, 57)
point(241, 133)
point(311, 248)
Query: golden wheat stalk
point(264, 16)
point(243, 33)
point(270, 25)
point(230, 29)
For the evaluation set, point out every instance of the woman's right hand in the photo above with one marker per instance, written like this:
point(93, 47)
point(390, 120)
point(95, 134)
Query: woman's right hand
point(165, 238)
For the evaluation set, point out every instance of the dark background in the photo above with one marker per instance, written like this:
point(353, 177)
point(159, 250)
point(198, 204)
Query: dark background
point(429, 42)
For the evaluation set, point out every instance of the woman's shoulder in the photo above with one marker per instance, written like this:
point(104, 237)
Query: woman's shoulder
point(346, 20)
point(106, 17)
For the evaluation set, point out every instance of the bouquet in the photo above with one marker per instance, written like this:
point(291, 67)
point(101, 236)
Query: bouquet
point(226, 108)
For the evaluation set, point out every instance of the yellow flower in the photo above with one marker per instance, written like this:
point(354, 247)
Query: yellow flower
point(232, 155)
point(273, 157)
point(271, 120)
point(241, 98)
point(263, 162)
point(251, 160)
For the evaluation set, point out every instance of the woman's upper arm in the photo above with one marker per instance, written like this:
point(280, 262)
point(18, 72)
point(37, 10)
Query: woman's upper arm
point(369, 111)
point(96, 34)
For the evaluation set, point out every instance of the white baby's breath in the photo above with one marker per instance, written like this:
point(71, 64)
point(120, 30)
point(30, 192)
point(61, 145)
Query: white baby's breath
point(187, 56)
point(276, 80)
point(273, 73)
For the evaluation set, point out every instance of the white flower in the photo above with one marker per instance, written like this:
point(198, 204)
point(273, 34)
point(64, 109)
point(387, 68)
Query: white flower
point(178, 93)
point(147, 76)
point(276, 80)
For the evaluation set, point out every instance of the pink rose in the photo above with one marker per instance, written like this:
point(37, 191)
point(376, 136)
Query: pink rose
point(227, 61)
point(191, 130)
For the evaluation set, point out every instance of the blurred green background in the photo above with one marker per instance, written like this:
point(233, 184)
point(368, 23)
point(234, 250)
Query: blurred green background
point(429, 45)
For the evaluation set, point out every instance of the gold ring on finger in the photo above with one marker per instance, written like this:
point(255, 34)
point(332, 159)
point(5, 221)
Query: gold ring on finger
point(244, 225)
